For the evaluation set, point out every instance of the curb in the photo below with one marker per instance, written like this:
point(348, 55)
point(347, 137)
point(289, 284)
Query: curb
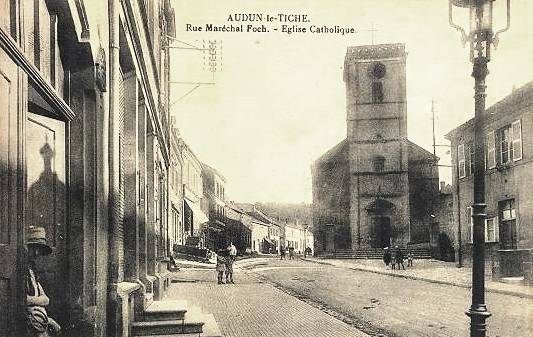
point(417, 278)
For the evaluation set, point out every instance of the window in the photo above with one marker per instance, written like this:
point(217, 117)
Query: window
point(377, 92)
point(461, 160)
point(470, 159)
point(470, 223)
point(491, 150)
point(509, 142)
point(508, 211)
point(507, 231)
point(379, 164)
point(491, 229)
point(517, 140)
point(506, 144)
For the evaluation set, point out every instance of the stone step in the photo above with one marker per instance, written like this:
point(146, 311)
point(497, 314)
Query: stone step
point(166, 310)
point(148, 299)
point(513, 280)
point(174, 327)
point(418, 253)
point(210, 328)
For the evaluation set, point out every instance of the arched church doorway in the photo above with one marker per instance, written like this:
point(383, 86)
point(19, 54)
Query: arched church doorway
point(380, 224)
point(381, 230)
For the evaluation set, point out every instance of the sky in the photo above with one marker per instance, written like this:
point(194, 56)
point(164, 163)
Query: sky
point(277, 101)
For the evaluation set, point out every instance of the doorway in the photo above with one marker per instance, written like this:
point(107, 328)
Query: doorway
point(381, 230)
point(46, 203)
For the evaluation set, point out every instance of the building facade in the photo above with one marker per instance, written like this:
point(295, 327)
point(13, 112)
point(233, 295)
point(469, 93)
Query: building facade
point(375, 188)
point(85, 90)
point(214, 194)
point(238, 228)
point(195, 219)
point(443, 233)
point(508, 129)
point(175, 213)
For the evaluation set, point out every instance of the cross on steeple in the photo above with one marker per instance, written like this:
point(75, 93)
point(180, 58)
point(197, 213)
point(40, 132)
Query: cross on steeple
point(372, 30)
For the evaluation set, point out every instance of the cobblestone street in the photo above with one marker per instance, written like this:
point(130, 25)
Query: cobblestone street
point(305, 298)
point(394, 306)
point(252, 308)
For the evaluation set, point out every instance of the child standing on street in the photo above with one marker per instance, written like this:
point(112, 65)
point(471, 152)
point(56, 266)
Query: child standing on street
point(409, 259)
point(221, 265)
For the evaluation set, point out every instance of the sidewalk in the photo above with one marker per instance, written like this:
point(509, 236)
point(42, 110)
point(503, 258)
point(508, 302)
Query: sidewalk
point(251, 308)
point(430, 271)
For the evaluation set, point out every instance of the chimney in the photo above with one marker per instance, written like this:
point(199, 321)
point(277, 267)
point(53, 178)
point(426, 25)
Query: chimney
point(442, 185)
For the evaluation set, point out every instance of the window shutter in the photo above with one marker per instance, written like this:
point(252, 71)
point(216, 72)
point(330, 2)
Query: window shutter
point(470, 222)
point(486, 230)
point(496, 229)
point(468, 159)
point(517, 140)
point(491, 150)
point(461, 160)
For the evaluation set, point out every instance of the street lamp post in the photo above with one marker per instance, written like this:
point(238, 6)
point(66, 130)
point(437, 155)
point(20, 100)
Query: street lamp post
point(480, 37)
point(305, 239)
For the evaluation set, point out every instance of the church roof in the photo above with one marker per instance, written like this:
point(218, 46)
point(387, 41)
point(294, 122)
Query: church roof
point(377, 51)
point(420, 153)
point(416, 152)
point(337, 149)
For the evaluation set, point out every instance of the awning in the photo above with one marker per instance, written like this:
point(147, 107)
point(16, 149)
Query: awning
point(216, 224)
point(197, 212)
point(268, 240)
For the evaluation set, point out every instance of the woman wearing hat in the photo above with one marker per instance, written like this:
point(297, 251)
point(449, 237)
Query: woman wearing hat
point(387, 257)
point(39, 324)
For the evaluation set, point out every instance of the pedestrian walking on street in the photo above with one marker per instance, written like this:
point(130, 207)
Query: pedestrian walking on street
point(308, 251)
point(232, 253)
point(291, 253)
point(281, 253)
point(232, 250)
point(221, 265)
point(399, 258)
point(409, 259)
point(387, 257)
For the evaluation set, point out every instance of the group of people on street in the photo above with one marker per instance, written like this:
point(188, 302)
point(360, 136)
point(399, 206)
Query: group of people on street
point(225, 259)
point(396, 258)
point(282, 252)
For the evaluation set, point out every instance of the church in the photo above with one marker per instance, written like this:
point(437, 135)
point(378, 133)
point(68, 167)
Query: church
point(375, 188)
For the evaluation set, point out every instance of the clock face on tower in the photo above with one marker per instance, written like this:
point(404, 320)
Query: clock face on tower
point(378, 70)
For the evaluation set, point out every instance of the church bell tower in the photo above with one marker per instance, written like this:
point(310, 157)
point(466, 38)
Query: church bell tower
point(376, 117)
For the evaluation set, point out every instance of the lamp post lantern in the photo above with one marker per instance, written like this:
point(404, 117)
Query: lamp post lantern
point(480, 36)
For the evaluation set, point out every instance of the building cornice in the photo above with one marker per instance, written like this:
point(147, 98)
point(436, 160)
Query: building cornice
point(61, 108)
